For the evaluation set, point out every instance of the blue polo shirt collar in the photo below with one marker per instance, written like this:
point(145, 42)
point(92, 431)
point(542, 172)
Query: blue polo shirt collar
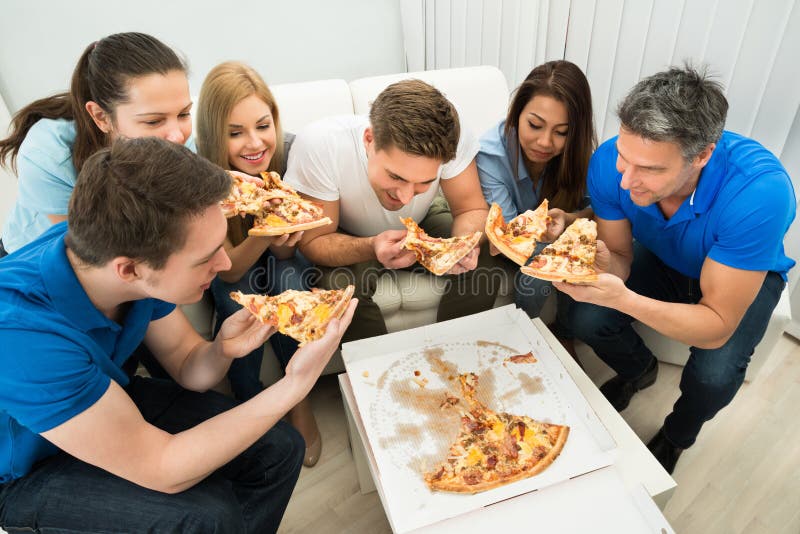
point(66, 292)
point(512, 141)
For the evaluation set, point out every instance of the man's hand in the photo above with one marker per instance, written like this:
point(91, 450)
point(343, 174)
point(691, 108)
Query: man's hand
point(608, 290)
point(389, 250)
point(248, 178)
point(602, 258)
point(467, 263)
point(556, 225)
point(241, 334)
point(309, 360)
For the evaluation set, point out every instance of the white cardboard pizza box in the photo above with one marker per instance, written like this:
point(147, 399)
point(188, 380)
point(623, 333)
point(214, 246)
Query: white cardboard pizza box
point(396, 380)
point(594, 502)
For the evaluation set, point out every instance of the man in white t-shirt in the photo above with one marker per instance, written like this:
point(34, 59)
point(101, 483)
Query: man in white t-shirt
point(367, 172)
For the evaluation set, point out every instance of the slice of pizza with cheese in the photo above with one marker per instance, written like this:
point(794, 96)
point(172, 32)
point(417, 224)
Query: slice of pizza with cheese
point(437, 254)
point(248, 198)
point(570, 258)
point(517, 239)
point(493, 449)
point(301, 315)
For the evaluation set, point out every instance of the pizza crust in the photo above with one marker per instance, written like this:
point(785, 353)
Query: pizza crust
point(289, 229)
point(558, 277)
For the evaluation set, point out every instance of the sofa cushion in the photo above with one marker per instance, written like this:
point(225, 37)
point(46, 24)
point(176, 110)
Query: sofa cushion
point(303, 103)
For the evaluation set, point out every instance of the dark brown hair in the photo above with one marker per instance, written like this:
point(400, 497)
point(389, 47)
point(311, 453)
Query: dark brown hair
point(417, 119)
point(102, 75)
point(564, 178)
point(134, 198)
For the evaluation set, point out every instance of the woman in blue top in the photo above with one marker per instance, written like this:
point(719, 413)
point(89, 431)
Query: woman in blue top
point(239, 128)
point(542, 150)
point(126, 84)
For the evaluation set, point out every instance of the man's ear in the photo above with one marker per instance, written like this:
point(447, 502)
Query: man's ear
point(127, 269)
point(369, 138)
point(99, 116)
point(702, 158)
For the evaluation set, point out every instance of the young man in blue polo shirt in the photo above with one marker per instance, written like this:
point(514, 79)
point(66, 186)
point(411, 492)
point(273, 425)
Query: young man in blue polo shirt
point(84, 447)
point(690, 223)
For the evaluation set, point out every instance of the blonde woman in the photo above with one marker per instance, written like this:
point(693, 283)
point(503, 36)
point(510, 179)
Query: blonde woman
point(238, 128)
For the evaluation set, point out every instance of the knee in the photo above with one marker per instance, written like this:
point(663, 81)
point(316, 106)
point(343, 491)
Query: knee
point(213, 510)
point(286, 446)
point(716, 369)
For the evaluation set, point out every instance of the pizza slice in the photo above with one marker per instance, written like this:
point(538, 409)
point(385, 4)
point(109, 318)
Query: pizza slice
point(570, 258)
point(517, 239)
point(437, 254)
point(493, 449)
point(247, 198)
point(292, 214)
point(301, 315)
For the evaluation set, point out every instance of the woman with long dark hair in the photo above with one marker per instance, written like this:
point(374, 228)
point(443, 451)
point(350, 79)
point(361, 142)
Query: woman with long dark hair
point(124, 85)
point(540, 151)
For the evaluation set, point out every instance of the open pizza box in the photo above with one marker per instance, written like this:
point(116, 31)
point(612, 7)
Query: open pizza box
point(395, 386)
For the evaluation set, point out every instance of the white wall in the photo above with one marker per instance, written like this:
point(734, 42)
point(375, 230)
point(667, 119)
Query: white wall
point(286, 40)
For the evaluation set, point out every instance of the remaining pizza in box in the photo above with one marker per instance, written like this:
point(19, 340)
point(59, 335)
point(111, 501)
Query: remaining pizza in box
point(288, 214)
point(517, 239)
point(570, 258)
point(493, 449)
point(301, 315)
point(438, 254)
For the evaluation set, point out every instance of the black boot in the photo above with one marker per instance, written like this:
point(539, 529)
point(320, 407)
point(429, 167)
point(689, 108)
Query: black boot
point(619, 391)
point(665, 452)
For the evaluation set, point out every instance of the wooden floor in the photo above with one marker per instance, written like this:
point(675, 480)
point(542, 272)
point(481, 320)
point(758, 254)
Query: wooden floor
point(742, 475)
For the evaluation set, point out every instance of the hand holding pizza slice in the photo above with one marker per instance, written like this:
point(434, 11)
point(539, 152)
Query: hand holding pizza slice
point(438, 254)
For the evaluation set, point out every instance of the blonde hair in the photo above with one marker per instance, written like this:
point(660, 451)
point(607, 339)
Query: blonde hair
point(225, 86)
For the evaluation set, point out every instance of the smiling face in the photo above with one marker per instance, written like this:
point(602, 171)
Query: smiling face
point(543, 129)
point(653, 171)
point(396, 176)
point(251, 136)
point(158, 105)
point(189, 271)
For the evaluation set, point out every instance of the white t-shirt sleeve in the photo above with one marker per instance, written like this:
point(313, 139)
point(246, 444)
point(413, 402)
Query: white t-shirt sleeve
point(312, 164)
point(468, 147)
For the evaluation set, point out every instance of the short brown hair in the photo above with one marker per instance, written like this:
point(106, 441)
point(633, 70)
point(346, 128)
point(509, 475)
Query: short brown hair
point(416, 118)
point(134, 199)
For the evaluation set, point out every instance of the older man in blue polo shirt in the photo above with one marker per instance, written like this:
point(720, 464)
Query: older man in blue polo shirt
point(84, 447)
point(690, 222)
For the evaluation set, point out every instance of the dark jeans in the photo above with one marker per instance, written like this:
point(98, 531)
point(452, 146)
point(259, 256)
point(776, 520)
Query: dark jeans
point(711, 377)
point(3, 252)
point(530, 295)
point(268, 276)
point(248, 494)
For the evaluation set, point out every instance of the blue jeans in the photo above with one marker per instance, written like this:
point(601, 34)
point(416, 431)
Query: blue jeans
point(271, 276)
point(530, 295)
point(711, 377)
point(248, 494)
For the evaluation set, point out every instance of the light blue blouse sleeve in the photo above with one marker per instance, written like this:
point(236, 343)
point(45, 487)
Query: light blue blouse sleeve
point(44, 185)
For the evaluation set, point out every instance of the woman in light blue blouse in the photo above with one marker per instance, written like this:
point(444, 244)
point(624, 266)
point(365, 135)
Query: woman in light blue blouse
point(124, 85)
point(542, 150)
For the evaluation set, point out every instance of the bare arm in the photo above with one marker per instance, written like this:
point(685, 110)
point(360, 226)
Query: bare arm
point(55, 219)
point(615, 247)
point(466, 201)
point(195, 363)
point(112, 434)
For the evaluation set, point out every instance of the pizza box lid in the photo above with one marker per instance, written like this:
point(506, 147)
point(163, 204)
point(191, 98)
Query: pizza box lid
point(406, 432)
